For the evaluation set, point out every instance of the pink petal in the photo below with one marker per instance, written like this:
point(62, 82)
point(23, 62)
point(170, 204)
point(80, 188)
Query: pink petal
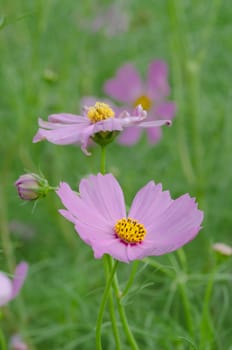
point(149, 203)
point(78, 209)
point(129, 136)
point(5, 290)
point(91, 234)
point(106, 194)
point(96, 210)
point(154, 123)
point(176, 226)
point(166, 110)
point(157, 83)
point(66, 118)
point(19, 278)
point(113, 247)
point(110, 124)
point(139, 251)
point(16, 343)
point(64, 136)
point(126, 86)
point(175, 243)
point(154, 135)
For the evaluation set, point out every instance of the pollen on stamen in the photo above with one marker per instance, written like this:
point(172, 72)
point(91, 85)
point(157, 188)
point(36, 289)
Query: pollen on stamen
point(130, 231)
point(100, 111)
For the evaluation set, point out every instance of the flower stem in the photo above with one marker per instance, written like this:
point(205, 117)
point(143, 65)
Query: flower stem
point(131, 278)
point(103, 159)
point(183, 289)
point(5, 234)
point(112, 312)
point(107, 269)
point(178, 57)
point(206, 326)
point(2, 341)
point(103, 304)
point(113, 278)
point(128, 333)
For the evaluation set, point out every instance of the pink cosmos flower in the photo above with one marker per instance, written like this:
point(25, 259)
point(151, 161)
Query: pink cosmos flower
point(113, 20)
point(155, 224)
point(128, 88)
point(17, 343)
point(10, 289)
point(98, 120)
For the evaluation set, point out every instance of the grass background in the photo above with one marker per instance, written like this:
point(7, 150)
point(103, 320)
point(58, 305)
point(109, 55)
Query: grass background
point(180, 301)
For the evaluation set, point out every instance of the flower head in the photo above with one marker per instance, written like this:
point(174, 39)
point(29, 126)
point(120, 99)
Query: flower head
point(222, 248)
point(128, 88)
point(99, 122)
point(17, 343)
point(155, 224)
point(32, 186)
point(112, 20)
point(10, 288)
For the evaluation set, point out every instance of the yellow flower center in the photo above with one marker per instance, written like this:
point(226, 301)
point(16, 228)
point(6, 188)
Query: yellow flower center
point(130, 231)
point(144, 101)
point(100, 111)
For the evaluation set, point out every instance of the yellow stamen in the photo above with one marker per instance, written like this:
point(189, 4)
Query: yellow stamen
point(130, 231)
point(100, 111)
point(144, 101)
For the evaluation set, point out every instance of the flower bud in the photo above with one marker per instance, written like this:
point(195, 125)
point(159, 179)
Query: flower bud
point(32, 186)
point(222, 249)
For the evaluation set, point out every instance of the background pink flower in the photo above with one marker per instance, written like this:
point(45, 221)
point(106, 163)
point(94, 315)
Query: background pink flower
point(17, 343)
point(128, 88)
point(10, 288)
point(65, 129)
point(113, 20)
point(157, 225)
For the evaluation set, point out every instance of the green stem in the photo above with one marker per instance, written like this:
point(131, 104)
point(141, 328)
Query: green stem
point(112, 311)
point(128, 333)
point(113, 277)
point(183, 289)
point(131, 278)
point(208, 30)
point(2, 341)
point(5, 234)
point(111, 302)
point(186, 304)
point(192, 76)
point(206, 325)
point(103, 304)
point(178, 57)
point(103, 159)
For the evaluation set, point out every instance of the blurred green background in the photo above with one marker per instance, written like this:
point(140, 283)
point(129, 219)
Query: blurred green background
point(51, 58)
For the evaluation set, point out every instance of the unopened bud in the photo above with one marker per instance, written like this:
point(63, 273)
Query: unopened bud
point(223, 249)
point(32, 186)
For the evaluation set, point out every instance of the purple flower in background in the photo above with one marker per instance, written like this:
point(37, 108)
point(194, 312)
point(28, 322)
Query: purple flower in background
point(10, 288)
point(155, 224)
point(113, 20)
point(98, 122)
point(128, 88)
point(17, 343)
